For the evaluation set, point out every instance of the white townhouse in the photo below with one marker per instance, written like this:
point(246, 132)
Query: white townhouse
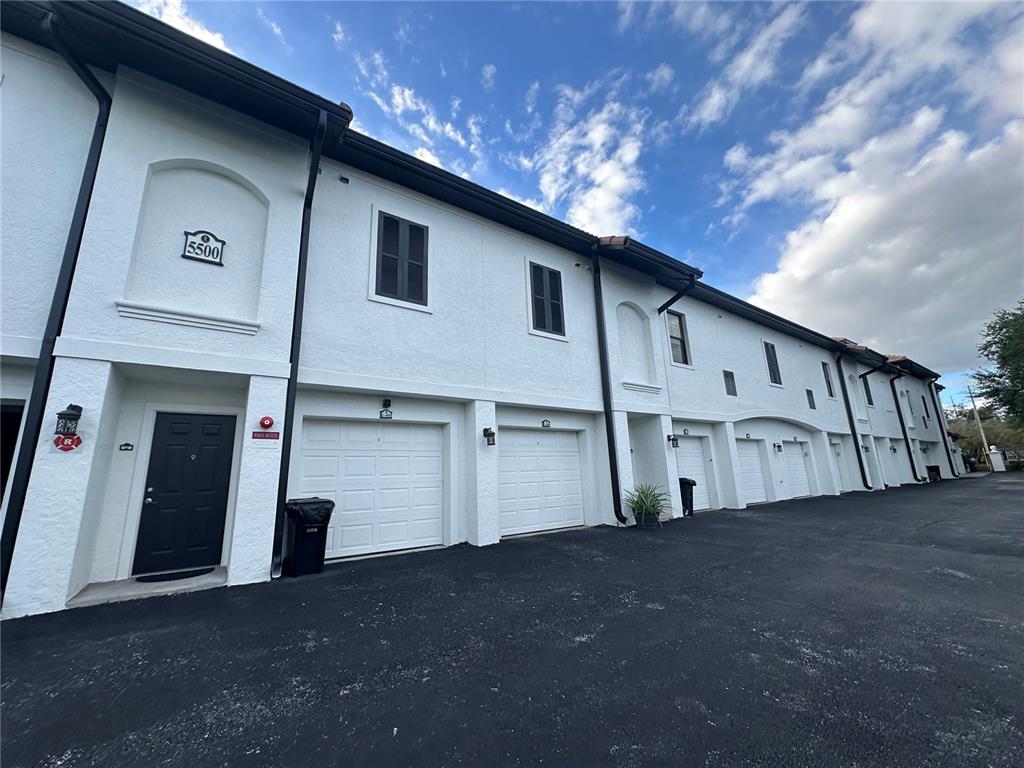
point(216, 296)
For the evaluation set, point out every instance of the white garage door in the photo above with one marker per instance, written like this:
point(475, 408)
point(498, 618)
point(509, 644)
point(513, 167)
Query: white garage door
point(539, 486)
point(751, 472)
point(796, 469)
point(385, 478)
point(693, 463)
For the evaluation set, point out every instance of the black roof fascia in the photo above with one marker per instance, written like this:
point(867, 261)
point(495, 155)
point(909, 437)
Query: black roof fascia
point(111, 34)
point(379, 159)
point(722, 300)
point(665, 269)
point(915, 369)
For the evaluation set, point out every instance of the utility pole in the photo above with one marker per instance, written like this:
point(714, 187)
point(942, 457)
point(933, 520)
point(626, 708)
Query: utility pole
point(981, 429)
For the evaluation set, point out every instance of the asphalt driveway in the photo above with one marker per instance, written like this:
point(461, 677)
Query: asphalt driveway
point(871, 629)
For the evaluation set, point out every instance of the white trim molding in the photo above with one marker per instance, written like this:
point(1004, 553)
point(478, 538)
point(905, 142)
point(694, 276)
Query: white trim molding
point(140, 311)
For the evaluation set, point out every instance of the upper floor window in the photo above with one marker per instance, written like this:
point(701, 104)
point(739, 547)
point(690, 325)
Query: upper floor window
point(677, 338)
point(546, 294)
point(910, 405)
point(924, 403)
point(810, 400)
point(401, 259)
point(867, 390)
point(828, 379)
point(730, 382)
point(774, 375)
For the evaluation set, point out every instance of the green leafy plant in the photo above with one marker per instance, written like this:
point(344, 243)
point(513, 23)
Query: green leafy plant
point(647, 501)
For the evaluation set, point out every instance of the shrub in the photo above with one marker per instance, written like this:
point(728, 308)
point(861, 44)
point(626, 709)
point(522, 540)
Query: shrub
point(647, 502)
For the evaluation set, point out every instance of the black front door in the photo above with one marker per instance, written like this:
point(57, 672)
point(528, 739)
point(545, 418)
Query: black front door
point(182, 523)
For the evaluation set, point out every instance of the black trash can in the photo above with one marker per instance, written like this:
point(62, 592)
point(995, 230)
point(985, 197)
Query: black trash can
point(686, 491)
point(307, 525)
point(934, 473)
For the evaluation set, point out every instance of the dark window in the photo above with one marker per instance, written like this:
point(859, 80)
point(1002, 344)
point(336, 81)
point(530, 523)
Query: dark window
point(910, 405)
point(773, 363)
point(546, 299)
point(677, 338)
point(401, 259)
point(730, 383)
point(810, 400)
point(828, 379)
point(924, 402)
point(867, 390)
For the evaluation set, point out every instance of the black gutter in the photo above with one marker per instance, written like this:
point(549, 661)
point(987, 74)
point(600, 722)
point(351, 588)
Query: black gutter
point(853, 424)
point(678, 295)
point(942, 427)
point(316, 147)
point(606, 386)
point(35, 410)
point(876, 368)
point(903, 427)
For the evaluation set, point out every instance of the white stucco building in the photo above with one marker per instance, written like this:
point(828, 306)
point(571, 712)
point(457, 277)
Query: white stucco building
point(251, 302)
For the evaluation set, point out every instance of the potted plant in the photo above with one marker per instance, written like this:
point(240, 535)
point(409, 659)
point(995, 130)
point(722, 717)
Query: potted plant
point(647, 502)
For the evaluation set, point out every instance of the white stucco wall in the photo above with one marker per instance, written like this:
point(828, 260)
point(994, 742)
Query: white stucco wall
point(46, 122)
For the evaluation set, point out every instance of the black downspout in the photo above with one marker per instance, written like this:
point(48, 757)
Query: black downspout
point(34, 412)
point(678, 295)
point(942, 426)
point(316, 147)
point(903, 427)
point(853, 424)
point(606, 386)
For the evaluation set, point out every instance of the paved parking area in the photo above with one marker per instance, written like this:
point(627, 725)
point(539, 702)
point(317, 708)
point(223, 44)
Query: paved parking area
point(871, 629)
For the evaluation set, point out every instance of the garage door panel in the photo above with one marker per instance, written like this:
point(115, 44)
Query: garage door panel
point(797, 483)
point(751, 472)
point(539, 481)
point(691, 462)
point(388, 487)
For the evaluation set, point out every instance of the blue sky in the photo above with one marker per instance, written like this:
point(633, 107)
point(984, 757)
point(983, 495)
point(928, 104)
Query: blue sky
point(857, 168)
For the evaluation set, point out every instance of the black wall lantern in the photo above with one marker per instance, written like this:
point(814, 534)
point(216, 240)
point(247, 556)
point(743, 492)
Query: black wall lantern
point(67, 420)
point(385, 411)
point(686, 431)
point(545, 423)
point(866, 449)
point(489, 435)
point(673, 440)
point(777, 447)
point(893, 448)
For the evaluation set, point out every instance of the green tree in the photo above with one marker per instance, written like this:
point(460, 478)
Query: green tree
point(1002, 342)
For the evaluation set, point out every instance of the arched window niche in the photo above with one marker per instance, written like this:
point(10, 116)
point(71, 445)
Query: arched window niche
point(636, 350)
point(214, 283)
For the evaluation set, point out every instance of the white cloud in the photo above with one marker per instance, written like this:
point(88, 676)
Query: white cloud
point(373, 69)
point(914, 232)
point(660, 78)
point(338, 34)
point(916, 250)
point(750, 68)
point(175, 13)
point(427, 156)
point(273, 26)
point(456, 105)
point(531, 97)
point(487, 73)
point(529, 202)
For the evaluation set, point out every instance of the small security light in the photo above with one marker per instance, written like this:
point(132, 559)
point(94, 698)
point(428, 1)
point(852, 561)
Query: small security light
point(748, 435)
point(67, 420)
point(673, 440)
point(545, 423)
point(892, 448)
point(489, 435)
point(385, 411)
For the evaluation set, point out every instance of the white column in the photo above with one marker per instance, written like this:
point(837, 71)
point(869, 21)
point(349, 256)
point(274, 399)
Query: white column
point(825, 467)
point(252, 534)
point(670, 468)
point(482, 523)
point(51, 522)
point(624, 456)
point(728, 466)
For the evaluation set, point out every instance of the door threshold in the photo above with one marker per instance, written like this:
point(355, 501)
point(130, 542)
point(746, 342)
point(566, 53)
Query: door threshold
point(133, 589)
